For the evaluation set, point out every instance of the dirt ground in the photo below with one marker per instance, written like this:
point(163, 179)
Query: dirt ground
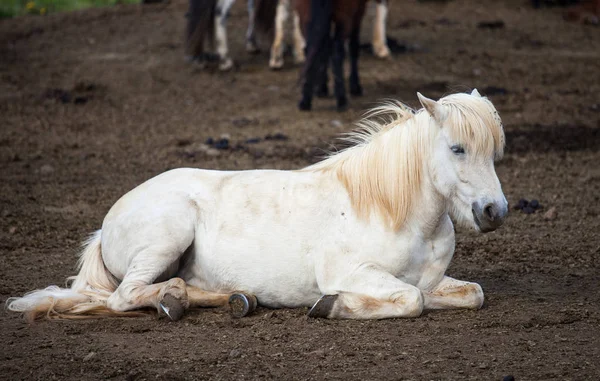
point(94, 102)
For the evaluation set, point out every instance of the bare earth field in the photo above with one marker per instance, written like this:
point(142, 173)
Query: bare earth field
point(94, 102)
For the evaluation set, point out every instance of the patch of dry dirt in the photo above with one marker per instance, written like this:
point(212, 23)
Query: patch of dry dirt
point(94, 102)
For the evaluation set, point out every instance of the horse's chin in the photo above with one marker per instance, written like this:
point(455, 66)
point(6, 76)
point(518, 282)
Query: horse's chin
point(463, 217)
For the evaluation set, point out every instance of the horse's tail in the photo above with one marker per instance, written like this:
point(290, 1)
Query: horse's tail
point(264, 15)
point(85, 298)
point(201, 26)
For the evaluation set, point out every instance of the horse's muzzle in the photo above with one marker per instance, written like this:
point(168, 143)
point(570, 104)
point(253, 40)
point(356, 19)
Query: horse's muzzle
point(489, 216)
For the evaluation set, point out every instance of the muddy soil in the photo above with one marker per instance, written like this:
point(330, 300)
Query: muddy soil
point(94, 102)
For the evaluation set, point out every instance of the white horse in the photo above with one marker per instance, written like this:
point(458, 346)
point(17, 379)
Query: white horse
point(364, 234)
point(203, 24)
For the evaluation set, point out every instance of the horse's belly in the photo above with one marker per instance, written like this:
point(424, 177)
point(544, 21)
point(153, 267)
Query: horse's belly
point(278, 276)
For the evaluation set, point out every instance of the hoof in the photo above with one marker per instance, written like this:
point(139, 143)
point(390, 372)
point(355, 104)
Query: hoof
point(251, 47)
point(172, 307)
point(323, 306)
point(276, 64)
point(242, 305)
point(226, 64)
point(382, 52)
point(342, 105)
point(304, 106)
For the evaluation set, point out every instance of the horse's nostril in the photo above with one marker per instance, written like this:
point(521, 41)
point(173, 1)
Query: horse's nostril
point(489, 211)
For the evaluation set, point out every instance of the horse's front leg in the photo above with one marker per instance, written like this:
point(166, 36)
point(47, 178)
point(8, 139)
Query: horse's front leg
point(367, 293)
point(221, 15)
point(281, 16)
point(380, 47)
point(452, 293)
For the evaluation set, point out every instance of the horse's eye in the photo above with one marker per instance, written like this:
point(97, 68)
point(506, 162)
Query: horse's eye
point(457, 149)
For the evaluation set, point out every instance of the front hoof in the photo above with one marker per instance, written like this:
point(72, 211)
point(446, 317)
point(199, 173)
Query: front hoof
point(382, 52)
point(251, 47)
point(226, 64)
point(323, 306)
point(242, 305)
point(172, 307)
point(276, 63)
point(304, 105)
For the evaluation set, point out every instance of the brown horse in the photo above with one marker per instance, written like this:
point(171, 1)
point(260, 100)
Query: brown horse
point(316, 19)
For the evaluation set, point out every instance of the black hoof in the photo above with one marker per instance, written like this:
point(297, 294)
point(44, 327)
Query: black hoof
point(242, 305)
point(172, 307)
point(304, 105)
point(323, 307)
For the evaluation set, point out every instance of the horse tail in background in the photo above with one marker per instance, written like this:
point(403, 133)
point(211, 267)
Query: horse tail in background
point(84, 299)
point(200, 26)
point(265, 12)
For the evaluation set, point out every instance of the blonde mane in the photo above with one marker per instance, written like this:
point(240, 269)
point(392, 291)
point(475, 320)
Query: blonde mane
point(383, 171)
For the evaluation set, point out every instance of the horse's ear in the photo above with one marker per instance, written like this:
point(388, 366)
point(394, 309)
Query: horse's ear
point(475, 93)
point(435, 109)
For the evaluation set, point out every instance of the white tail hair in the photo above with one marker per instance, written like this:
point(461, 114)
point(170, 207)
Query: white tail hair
point(86, 296)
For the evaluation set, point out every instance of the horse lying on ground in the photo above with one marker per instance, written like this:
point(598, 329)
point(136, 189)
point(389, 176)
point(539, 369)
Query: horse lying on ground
point(364, 234)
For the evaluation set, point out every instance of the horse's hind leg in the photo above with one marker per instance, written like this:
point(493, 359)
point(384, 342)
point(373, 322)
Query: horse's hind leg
point(299, 42)
point(137, 289)
point(276, 61)
point(380, 48)
point(241, 303)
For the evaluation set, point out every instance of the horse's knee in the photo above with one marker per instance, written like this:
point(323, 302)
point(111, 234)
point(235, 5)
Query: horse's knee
point(474, 297)
point(411, 301)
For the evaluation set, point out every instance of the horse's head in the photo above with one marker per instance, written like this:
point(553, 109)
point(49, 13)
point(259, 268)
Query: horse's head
point(468, 139)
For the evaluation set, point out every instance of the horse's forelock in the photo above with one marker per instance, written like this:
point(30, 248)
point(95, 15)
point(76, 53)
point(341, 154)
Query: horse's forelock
point(474, 122)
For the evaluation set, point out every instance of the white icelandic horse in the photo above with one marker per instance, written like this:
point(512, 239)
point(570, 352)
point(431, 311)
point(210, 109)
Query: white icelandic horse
point(209, 18)
point(364, 234)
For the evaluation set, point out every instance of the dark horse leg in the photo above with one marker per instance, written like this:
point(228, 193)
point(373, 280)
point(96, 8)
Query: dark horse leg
point(321, 89)
point(337, 66)
point(317, 48)
point(200, 27)
point(354, 45)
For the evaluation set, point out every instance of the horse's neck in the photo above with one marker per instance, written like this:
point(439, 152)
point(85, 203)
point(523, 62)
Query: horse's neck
point(391, 176)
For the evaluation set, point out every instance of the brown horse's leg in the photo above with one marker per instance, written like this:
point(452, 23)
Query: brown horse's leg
point(355, 87)
point(337, 66)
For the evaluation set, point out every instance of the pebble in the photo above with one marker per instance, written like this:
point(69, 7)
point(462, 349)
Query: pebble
point(46, 169)
point(528, 210)
point(89, 356)
point(550, 214)
point(336, 123)
point(235, 353)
